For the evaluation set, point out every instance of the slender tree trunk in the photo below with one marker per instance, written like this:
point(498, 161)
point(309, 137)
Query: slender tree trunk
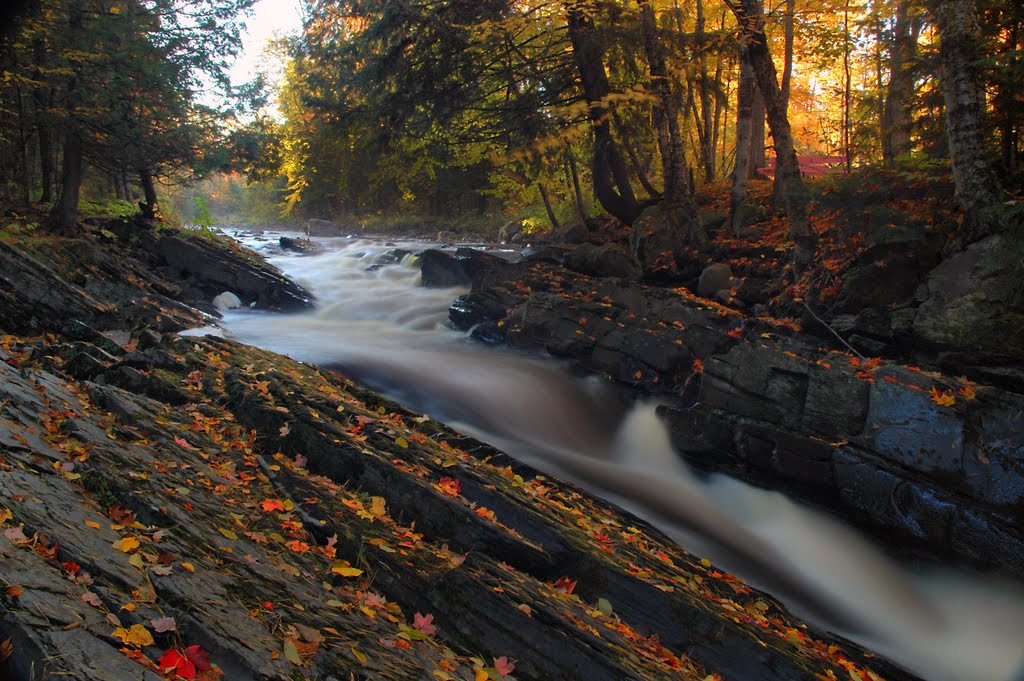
point(896, 123)
point(65, 209)
point(977, 186)
point(716, 115)
point(680, 208)
point(634, 158)
point(1009, 128)
point(611, 180)
point(741, 169)
point(25, 181)
point(43, 100)
point(778, 197)
point(751, 19)
point(707, 146)
point(547, 206)
point(581, 208)
point(847, 86)
point(757, 159)
point(148, 206)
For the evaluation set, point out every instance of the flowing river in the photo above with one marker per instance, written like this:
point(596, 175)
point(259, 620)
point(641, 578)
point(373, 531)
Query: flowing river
point(374, 322)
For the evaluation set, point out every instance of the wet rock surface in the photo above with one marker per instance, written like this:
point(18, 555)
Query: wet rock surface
point(923, 457)
point(384, 545)
point(149, 481)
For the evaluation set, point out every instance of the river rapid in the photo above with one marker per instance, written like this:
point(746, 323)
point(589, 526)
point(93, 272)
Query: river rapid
point(374, 322)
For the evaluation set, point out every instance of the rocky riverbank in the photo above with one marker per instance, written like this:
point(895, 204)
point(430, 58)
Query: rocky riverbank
point(931, 460)
point(177, 507)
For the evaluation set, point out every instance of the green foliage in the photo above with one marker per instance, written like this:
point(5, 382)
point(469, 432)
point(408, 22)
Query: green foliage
point(203, 219)
point(107, 208)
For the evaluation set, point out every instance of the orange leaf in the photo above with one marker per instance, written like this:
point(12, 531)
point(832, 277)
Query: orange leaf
point(269, 505)
point(942, 398)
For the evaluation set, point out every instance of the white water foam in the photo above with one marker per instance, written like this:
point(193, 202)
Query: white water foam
point(381, 327)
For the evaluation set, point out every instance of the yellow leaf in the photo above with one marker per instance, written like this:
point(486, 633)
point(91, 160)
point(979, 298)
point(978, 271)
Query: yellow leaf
point(5, 515)
point(127, 544)
point(291, 651)
point(189, 566)
point(228, 533)
point(377, 506)
point(480, 675)
point(93, 524)
point(137, 636)
point(359, 655)
point(136, 560)
point(345, 570)
point(402, 442)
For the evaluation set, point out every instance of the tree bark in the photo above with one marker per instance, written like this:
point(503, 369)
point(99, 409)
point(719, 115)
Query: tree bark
point(896, 121)
point(757, 159)
point(41, 98)
point(547, 206)
point(778, 197)
point(679, 205)
point(751, 21)
point(977, 186)
point(634, 159)
point(741, 169)
point(707, 141)
point(581, 208)
point(611, 180)
point(148, 204)
point(65, 209)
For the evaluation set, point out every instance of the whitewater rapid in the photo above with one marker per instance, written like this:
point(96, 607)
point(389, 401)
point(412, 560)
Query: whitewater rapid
point(377, 324)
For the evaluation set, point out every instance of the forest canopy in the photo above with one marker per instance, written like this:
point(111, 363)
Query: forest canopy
point(545, 111)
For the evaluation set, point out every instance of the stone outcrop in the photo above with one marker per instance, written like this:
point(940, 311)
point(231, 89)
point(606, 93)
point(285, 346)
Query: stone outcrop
point(384, 545)
point(929, 458)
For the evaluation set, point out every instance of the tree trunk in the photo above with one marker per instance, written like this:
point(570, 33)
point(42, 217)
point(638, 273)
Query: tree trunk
point(25, 181)
point(707, 139)
point(847, 86)
point(741, 169)
point(757, 159)
point(65, 209)
point(43, 100)
point(547, 206)
point(148, 205)
point(581, 208)
point(751, 19)
point(679, 206)
point(1007, 93)
point(896, 123)
point(778, 197)
point(634, 159)
point(610, 178)
point(977, 186)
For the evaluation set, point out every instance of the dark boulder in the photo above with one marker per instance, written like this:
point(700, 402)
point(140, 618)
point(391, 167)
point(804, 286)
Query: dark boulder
point(576, 233)
point(300, 246)
point(474, 308)
point(714, 278)
point(442, 270)
point(974, 302)
point(210, 269)
point(607, 260)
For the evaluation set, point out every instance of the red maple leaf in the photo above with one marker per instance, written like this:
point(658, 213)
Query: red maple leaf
point(180, 665)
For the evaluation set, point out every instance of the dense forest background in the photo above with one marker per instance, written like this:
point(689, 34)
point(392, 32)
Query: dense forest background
point(547, 112)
